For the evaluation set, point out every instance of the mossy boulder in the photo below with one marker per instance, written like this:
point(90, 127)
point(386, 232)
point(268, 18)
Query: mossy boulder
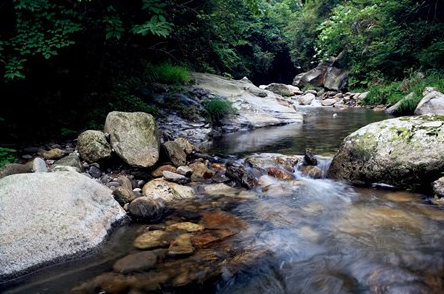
point(406, 152)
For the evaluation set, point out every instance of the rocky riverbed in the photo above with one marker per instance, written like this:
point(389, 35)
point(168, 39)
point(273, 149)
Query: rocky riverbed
point(185, 200)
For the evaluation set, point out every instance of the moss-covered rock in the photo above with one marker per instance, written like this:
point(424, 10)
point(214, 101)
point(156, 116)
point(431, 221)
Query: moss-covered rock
point(406, 152)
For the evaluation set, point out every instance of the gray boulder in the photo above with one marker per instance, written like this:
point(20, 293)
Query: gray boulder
point(406, 152)
point(324, 75)
point(432, 103)
point(335, 78)
point(134, 137)
point(252, 111)
point(46, 217)
point(93, 146)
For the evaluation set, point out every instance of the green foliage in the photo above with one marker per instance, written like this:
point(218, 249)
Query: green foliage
point(218, 109)
point(167, 73)
point(157, 25)
point(44, 28)
point(391, 93)
point(409, 105)
point(67, 133)
point(376, 39)
point(384, 94)
point(120, 98)
point(302, 31)
point(7, 156)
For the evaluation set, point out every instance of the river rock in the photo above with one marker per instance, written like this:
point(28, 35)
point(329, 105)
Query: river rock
point(39, 165)
point(200, 172)
point(68, 163)
point(181, 245)
point(210, 236)
point(438, 187)
point(406, 152)
point(312, 171)
point(222, 220)
point(267, 160)
point(175, 153)
point(14, 168)
point(158, 172)
point(176, 178)
point(184, 171)
point(306, 99)
point(136, 262)
point(310, 158)
point(153, 239)
point(227, 191)
point(240, 175)
point(147, 209)
point(168, 191)
point(123, 195)
point(185, 145)
point(125, 182)
point(93, 146)
point(54, 211)
point(279, 89)
point(280, 174)
point(185, 226)
point(134, 137)
point(53, 154)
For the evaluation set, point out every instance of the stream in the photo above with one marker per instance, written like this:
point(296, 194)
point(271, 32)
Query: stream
point(323, 236)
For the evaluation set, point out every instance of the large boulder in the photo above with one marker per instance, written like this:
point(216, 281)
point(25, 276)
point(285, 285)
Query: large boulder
point(252, 111)
point(432, 103)
point(335, 78)
point(46, 217)
point(134, 137)
point(406, 152)
point(324, 75)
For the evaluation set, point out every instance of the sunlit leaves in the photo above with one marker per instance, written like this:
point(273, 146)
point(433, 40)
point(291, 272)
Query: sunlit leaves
point(157, 25)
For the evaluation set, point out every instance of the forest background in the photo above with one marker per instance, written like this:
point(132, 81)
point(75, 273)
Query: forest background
point(64, 64)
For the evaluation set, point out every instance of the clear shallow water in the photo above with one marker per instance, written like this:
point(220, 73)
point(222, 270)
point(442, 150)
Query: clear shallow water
point(331, 238)
point(320, 131)
point(321, 237)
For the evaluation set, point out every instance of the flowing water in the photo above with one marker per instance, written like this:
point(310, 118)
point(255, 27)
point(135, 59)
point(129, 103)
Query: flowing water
point(322, 236)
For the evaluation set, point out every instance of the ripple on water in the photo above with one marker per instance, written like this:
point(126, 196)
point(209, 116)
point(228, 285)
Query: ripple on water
point(330, 238)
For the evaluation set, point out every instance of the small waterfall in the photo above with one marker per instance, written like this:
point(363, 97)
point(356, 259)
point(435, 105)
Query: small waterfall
point(323, 164)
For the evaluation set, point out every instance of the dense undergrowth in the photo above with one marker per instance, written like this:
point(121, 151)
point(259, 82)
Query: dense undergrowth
point(389, 93)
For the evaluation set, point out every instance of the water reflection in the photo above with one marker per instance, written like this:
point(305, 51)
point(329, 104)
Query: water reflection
point(321, 131)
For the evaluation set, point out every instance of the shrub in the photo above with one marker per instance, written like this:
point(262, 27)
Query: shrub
point(167, 74)
point(409, 105)
point(7, 156)
point(384, 94)
point(218, 109)
point(390, 93)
